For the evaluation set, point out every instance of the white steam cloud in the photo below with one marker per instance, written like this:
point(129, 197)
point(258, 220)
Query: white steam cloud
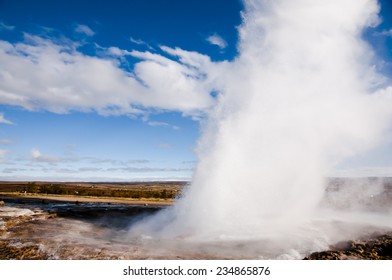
point(300, 98)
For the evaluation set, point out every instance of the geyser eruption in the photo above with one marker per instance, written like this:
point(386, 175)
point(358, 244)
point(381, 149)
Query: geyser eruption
point(300, 97)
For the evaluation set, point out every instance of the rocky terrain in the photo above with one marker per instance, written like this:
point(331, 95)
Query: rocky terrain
point(64, 231)
point(11, 219)
point(375, 247)
point(59, 230)
point(91, 221)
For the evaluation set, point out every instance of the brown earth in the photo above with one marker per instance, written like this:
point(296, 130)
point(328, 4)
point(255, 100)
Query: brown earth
point(48, 198)
point(12, 252)
point(24, 236)
point(375, 247)
point(138, 193)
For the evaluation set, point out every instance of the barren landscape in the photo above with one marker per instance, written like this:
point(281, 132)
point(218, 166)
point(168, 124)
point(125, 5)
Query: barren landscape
point(36, 225)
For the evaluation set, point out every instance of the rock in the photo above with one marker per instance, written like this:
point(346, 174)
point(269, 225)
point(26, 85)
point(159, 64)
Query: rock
point(374, 248)
point(13, 212)
point(27, 252)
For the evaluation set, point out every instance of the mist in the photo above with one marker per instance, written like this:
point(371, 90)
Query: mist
point(302, 96)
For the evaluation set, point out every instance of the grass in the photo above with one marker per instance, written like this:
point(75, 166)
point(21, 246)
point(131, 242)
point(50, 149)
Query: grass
point(150, 190)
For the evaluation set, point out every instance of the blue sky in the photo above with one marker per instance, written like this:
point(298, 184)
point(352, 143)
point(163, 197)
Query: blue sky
point(99, 91)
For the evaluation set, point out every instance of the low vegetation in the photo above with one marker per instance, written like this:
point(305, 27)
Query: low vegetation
point(157, 190)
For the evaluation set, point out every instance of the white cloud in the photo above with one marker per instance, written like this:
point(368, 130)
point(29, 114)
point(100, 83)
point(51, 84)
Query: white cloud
point(89, 169)
point(37, 156)
point(117, 51)
point(13, 170)
point(217, 41)
point(40, 74)
point(137, 41)
point(147, 169)
point(37, 164)
point(385, 94)
point(162, 124)
point(4, 26)
point(35, 153)
point(386, 33)
point(84, 29)
point(140, 43)
point(3, 154)
point(4, 120)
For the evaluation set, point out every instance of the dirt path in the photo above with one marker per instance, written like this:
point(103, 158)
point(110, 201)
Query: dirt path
point(84, 199)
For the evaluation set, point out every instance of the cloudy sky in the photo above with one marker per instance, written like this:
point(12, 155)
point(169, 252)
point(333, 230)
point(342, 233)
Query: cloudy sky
point(117, 90)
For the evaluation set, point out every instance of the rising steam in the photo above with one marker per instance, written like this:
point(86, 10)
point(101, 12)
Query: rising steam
point(300, 98)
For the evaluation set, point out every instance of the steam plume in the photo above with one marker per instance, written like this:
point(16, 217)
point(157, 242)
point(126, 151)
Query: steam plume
point(300, 98)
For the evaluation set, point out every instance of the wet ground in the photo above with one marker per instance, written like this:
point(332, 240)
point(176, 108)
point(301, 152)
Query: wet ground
point(53, 230)
point(37, 229)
